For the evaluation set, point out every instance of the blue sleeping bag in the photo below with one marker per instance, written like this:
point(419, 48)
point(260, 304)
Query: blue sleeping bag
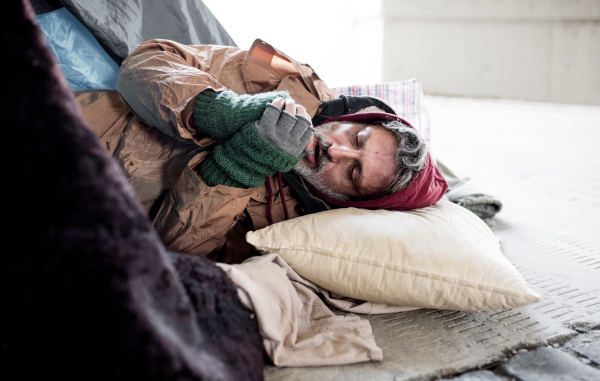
point(83, 61)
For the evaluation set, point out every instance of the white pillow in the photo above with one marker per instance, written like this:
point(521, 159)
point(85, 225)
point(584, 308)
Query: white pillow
point(442, 256)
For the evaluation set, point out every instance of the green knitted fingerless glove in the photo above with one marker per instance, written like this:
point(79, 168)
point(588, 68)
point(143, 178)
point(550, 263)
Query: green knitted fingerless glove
point(244, 160)
point(220, 115)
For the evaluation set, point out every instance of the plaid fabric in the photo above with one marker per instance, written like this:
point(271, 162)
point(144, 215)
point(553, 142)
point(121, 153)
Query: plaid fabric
point(405, 97)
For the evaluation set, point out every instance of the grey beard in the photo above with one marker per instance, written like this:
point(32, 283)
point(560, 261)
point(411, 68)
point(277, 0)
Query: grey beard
point(313, 176)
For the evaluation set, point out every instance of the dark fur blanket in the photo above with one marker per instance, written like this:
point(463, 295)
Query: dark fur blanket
point(87, 290)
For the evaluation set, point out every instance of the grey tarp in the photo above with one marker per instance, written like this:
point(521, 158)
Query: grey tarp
point(120, 25)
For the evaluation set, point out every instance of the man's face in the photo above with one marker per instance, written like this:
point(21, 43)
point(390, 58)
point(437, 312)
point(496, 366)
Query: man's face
point(350, 160)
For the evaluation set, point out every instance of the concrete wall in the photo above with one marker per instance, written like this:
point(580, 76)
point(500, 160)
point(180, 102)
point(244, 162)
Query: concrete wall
point(543, 50)
point(367, 37)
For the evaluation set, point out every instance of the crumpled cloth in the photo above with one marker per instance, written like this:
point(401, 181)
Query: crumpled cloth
point(484, 206)
point(466, 193)
point(297, 327)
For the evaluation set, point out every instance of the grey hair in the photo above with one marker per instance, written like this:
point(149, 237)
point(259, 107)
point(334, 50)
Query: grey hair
point(411, 156)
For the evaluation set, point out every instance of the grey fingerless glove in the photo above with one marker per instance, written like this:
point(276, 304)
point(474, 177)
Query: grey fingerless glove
point(288, 133)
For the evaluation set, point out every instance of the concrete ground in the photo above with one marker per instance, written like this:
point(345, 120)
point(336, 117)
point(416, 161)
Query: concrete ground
point(543, 162)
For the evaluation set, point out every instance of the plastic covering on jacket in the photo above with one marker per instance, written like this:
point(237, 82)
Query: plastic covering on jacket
point(83, 61)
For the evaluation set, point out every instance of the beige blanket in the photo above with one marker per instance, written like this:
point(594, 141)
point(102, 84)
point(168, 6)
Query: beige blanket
point(298, 329)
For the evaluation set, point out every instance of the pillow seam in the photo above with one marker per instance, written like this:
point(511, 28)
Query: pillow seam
point(445, 279)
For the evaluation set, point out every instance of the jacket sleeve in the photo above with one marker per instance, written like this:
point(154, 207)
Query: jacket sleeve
point(195, 218)
point(160, 79)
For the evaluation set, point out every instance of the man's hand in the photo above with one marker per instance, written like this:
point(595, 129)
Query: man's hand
point(276, 142)
point(221, 115)
point(287, 126)
point(290, 106)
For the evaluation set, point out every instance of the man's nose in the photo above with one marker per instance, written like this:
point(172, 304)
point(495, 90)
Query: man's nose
point(338, 152)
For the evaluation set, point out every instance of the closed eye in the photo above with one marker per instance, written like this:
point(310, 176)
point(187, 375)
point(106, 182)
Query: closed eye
point(364, 135)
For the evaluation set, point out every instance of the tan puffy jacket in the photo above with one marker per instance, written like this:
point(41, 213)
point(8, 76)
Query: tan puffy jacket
point(159, 151)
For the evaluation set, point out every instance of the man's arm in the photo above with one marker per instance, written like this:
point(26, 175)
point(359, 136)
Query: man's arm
point(176, 89)
point(161, 79)
point(199, 210)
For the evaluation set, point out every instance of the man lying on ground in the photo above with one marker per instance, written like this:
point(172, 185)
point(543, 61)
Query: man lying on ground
point(222, 143)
